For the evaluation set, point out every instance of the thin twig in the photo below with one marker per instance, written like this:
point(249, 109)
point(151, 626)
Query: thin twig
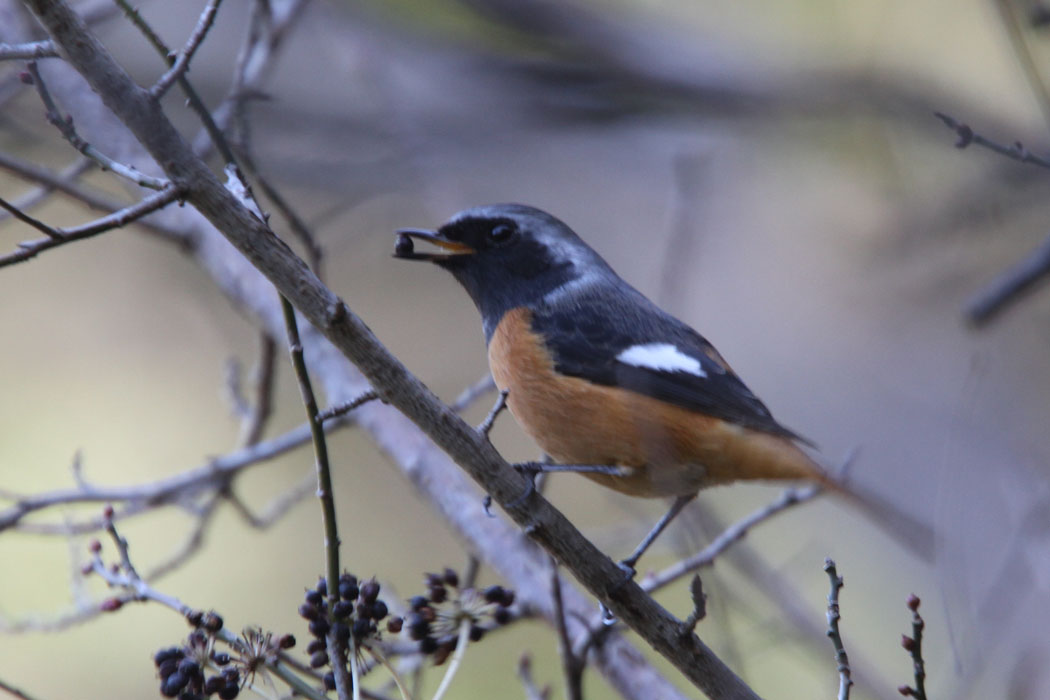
point(572, 665)
point(913, 645)
point(153, 494)
point(29, 249)
point(841, 659)
point(65, 127)
point(50, 232)
point(345, 684)
point(193, 99)
point(182, 63)
point(967, 135)
point(787, 499)
point(344, 408)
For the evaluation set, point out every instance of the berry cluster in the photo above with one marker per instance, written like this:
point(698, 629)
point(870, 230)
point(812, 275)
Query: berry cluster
point(356, 612)
point(435, 619)
point(181, 671)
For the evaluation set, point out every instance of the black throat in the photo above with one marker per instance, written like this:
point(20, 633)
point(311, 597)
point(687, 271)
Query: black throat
point(500, 280)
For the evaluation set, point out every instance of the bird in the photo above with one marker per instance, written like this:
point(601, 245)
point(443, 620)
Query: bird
point(597, 374)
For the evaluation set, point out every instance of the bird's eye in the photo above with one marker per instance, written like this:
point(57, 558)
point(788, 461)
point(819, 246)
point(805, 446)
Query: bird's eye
point(501, 232)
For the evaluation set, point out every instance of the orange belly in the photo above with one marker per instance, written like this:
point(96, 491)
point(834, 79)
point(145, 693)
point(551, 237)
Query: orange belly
point(666, 450)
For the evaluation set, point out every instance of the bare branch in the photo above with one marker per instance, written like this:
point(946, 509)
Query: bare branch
point(156, 493)
point(841, 659)
point(913, 645)
point(344, 684)
point(28, 51)
point(117, 219)
point(967, 136)
point(343, 409)
point(733, 533)
point(1009, 286)
point(65, 127)
point(17, 213)
point(182, 63)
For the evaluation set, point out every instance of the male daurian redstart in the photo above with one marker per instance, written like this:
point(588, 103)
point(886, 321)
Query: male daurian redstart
point(596, 373)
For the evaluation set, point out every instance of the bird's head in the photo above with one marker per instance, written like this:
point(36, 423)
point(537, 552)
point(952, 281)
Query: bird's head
point(505, 255)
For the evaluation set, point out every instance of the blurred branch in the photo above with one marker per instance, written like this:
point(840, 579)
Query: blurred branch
point(789, 498)
point(1029, 65)
point(216, 473)
point(967, 136)
point(55, 237)
point(1010, 286)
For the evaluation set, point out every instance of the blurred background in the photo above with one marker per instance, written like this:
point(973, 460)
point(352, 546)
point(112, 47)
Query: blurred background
point(772, 174)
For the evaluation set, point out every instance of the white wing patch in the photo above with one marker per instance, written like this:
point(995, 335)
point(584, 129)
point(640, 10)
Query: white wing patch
point(662, 357)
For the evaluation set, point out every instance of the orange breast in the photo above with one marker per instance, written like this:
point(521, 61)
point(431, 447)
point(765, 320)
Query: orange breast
point(667, 450)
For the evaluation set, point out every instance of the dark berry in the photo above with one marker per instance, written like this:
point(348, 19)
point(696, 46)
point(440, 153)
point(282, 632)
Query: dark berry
point(402, 248)
point(165, 654)
point(319, 627)
point(364, 610)
point(342, 632)
point(329, 681)
point(494, 594)
point(173, 684)
point(417, 602)
point(230, 692)
point(195, 618)
point(315, 645)
point(308, 612)
point(379, 610)
point(214, 685)
point(322, 587)
point(501, 616)
point(428, 645)
point(286, 641)
point(451, 577)
point(314, 598)
point(369, 591)
point(232, 676)
point(362, 626)
point(318, 659)
point(394, 625)
point(221, 658)
point(438, 594)
point(348, 590)
point(418, 627)
point(508, 598)
point(342, 610)
point(212, 622)
point(433, 580)
point(189, 667)
point(476, 633)
point(167, 667)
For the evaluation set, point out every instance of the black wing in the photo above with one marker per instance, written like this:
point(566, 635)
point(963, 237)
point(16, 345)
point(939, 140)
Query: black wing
point(588, 330)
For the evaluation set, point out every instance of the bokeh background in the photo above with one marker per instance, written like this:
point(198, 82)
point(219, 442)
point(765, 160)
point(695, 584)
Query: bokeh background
point(771, 173)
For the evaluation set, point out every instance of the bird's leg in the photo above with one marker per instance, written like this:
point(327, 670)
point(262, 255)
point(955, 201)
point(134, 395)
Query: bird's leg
point(628, 564)
point(490, 420)
point(530, 470)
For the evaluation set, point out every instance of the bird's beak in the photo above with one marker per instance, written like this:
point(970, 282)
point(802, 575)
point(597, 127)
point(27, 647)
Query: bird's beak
point(405, 249)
